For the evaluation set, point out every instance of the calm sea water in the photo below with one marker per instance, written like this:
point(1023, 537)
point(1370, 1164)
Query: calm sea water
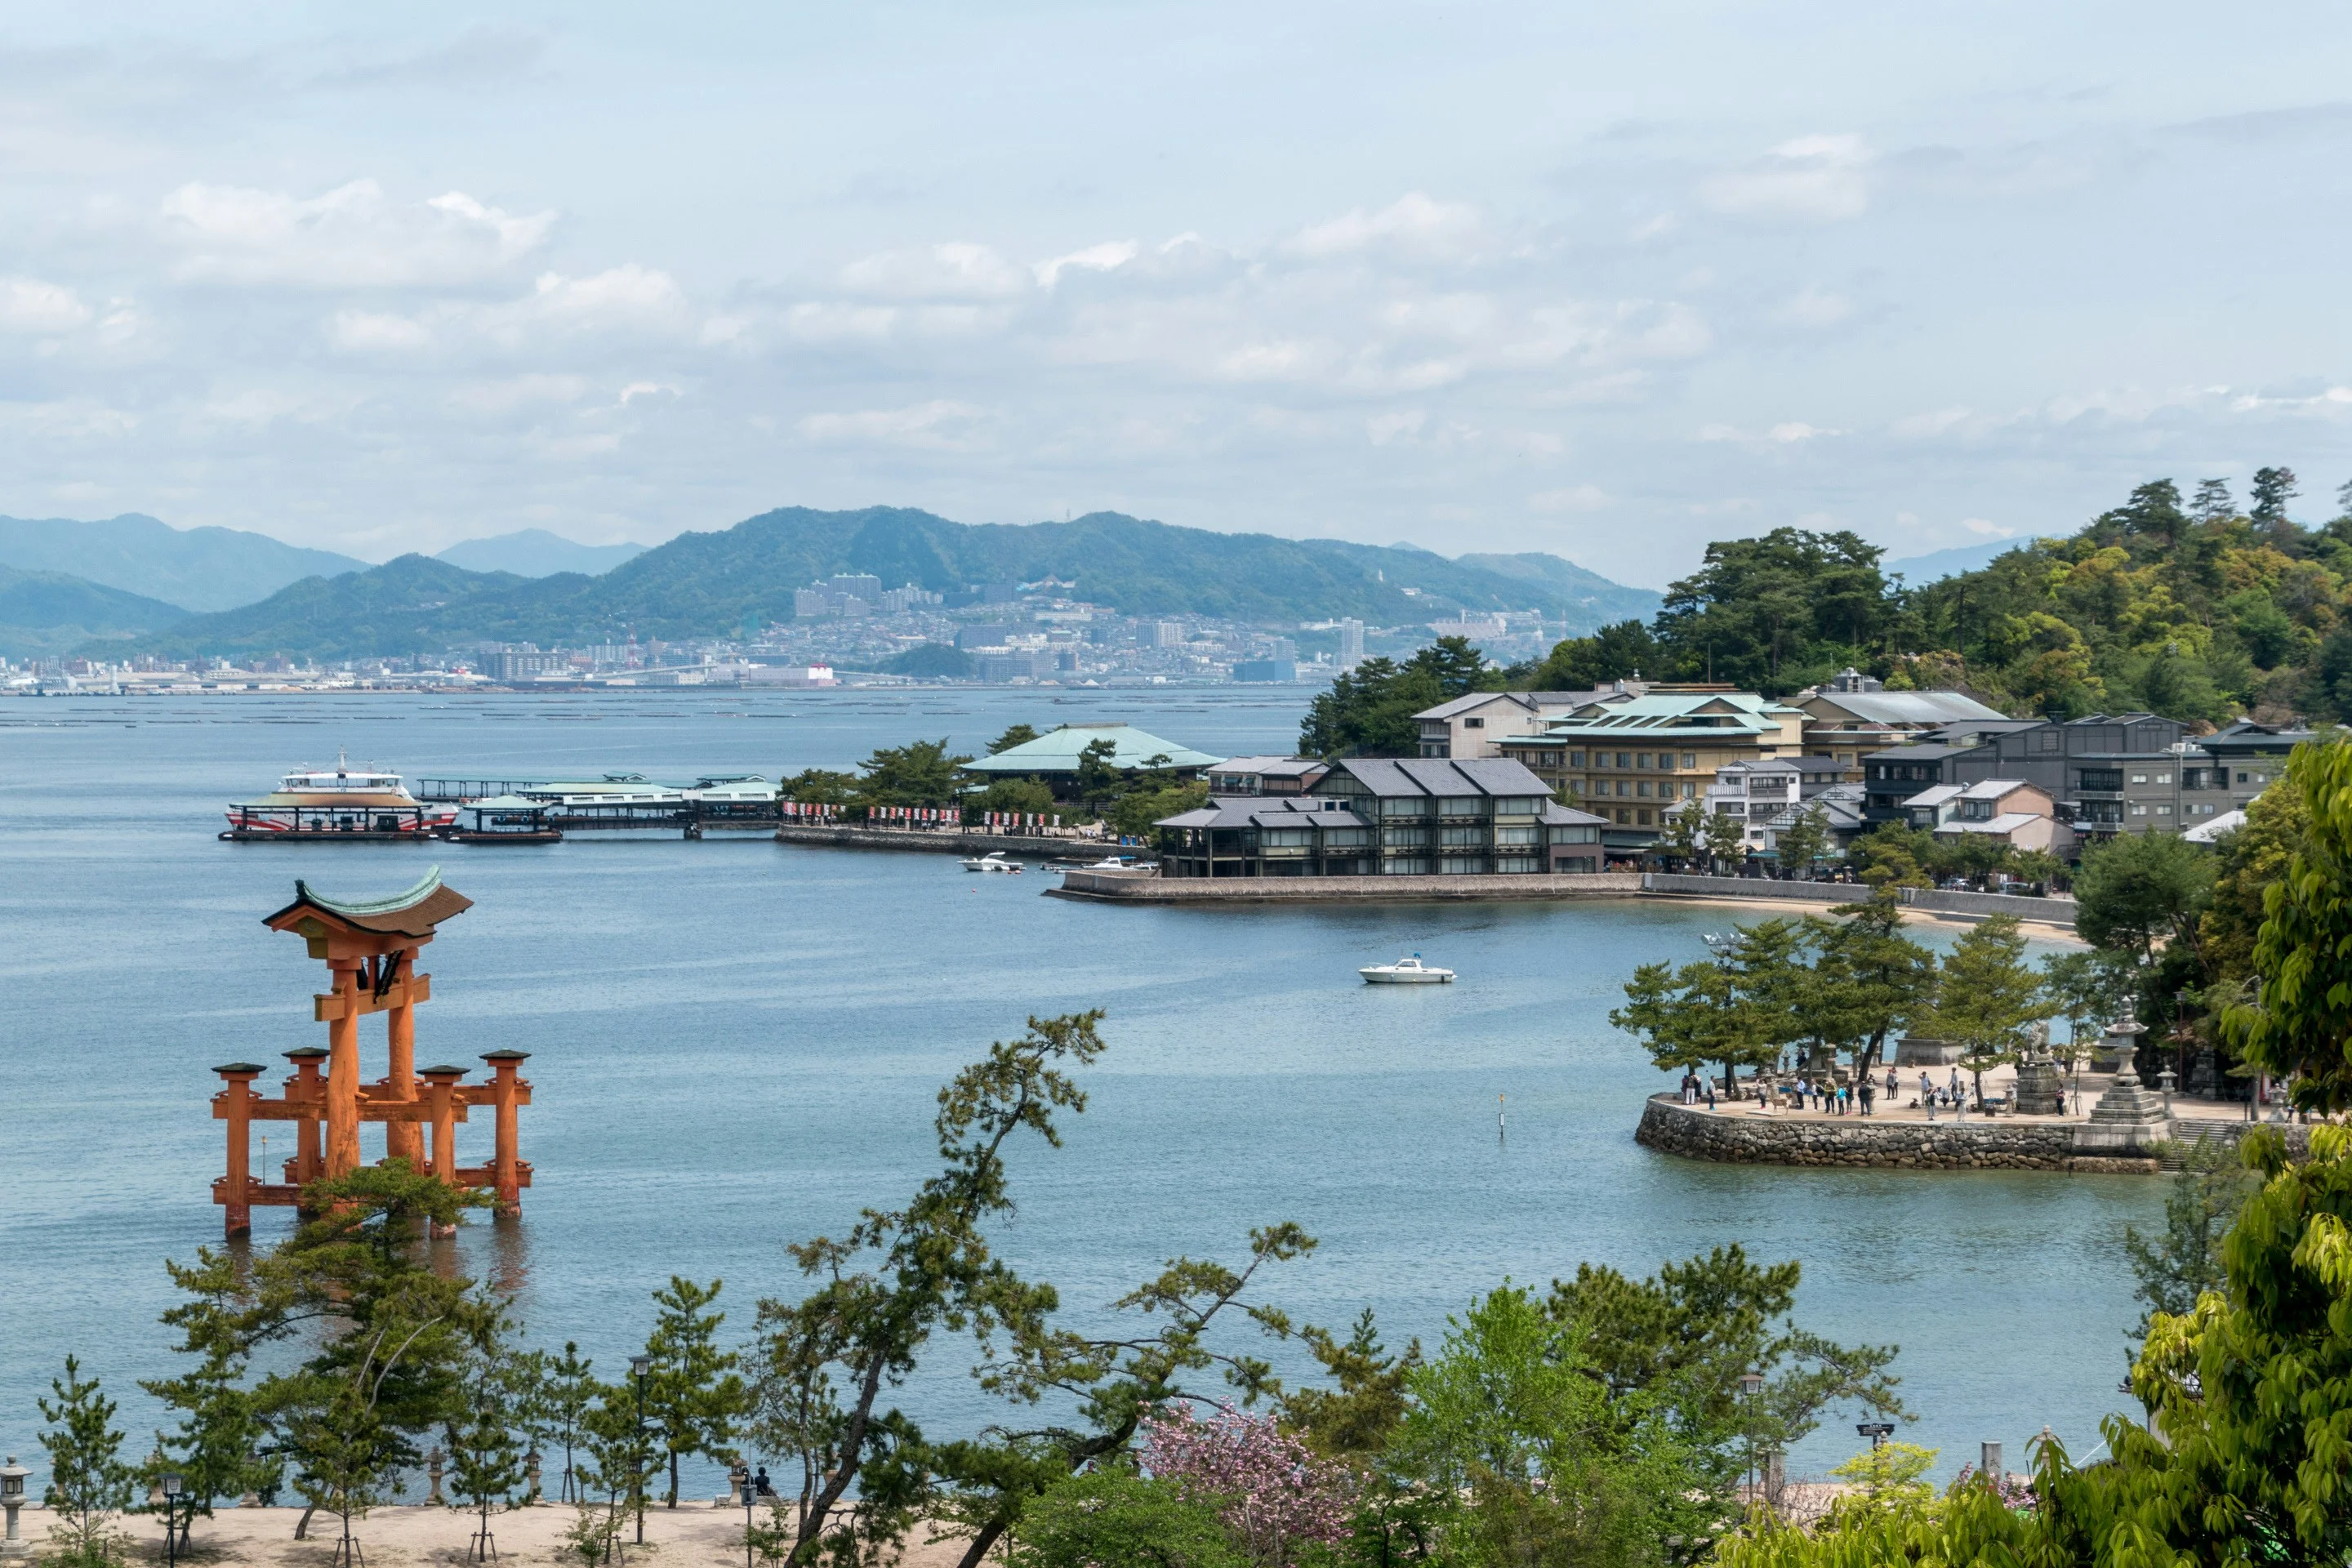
point(736, 1044)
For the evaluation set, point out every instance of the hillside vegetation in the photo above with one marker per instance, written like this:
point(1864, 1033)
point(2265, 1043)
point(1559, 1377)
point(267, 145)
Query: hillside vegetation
point(45, 612)
point(2198, 610)
point(702, 584)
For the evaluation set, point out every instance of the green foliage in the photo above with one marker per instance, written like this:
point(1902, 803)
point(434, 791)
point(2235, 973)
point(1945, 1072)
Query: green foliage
point(695, 1395)
point(1889, 856)
point(1886, 1477)
point(217, 1445)
point(1027, 794)
point(1015, 735)
point(1868, 980)
point(932, 661)
point(2177, 1268)
point(1368, 711)
point(1134, 812)
point(88, 1484)
point(2089, 990)
point(1723, 840)
point(484, 1433)
point(1802, 845)
point(1616, 652)
point(1737, 1010)
point(920, 773)
point(1357, 1419)
point(877, 1295)
point(2301, 1024)
point(1988, 997)
point(1774, 614)
point(565, 1391)
point(1099, 779)
point(2140, 888)
point(819, 786)
point(1111, 1517)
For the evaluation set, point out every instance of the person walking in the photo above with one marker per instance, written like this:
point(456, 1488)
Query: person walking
point(1866, 1087)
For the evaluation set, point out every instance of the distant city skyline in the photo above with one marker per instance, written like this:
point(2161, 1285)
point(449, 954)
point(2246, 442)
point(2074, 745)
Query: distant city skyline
point(1603, 283)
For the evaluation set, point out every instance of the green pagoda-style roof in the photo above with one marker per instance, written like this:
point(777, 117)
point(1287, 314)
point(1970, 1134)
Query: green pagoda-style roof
point(1056, 751)
point(413, 912)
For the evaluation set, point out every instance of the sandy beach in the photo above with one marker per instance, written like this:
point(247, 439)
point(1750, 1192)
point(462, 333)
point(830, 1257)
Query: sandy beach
point(695, 1535)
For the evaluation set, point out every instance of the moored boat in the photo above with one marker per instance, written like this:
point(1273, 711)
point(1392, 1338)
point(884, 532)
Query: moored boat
point(1405, 972)
point(993, 861)
point(338, 802)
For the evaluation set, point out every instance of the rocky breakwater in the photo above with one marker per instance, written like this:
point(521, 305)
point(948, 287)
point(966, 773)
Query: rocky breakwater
point(1741, 1136)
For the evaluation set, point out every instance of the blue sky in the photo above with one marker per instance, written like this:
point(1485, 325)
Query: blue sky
point(1604, 280)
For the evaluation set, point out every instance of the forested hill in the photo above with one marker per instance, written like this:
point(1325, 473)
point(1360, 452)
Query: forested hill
point(2197, 608)
point(711, 583)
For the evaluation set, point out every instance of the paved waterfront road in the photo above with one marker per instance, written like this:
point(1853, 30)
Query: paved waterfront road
point(736, 1044)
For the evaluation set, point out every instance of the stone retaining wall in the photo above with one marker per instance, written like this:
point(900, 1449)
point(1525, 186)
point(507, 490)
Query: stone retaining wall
point(1148, 888)
point(1979, 1144)
point(952, 841)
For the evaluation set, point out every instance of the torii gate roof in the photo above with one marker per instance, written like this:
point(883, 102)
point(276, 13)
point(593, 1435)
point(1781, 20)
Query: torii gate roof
point(411, 913)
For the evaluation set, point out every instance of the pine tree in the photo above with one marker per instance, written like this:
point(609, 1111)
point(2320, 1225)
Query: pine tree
point(695, 1395)
point(567, 1392)
point(1989, 997)
point(89, 1482)
point(1801, 842)
point(217, 1446)
point(487, 1464)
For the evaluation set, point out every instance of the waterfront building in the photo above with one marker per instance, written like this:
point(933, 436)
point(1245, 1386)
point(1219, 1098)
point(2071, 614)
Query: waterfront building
point(2096, 769)
point(1382, 816)
point(1475, 724)
point(1633, 760)
point(2019, 813)
point(1266, 776)
point(1852, 715)
point(1053, 757)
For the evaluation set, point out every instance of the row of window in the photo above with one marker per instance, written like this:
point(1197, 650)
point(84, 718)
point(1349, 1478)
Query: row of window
point(1636, 789)
point(1665, 760)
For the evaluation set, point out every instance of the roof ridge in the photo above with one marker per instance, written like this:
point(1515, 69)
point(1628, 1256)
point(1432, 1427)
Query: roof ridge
point(394, 904)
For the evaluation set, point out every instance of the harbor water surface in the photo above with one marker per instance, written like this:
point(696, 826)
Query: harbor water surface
point(736, 1044)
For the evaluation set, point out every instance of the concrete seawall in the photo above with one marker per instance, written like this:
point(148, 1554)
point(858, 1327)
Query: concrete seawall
point(1979, 1144)
point(1148, 888)
point(1931, 900)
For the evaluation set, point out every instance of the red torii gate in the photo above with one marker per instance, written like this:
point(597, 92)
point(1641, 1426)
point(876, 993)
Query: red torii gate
point(370, 946)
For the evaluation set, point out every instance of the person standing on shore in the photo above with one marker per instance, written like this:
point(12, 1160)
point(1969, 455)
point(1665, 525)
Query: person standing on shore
point(1866, 1087)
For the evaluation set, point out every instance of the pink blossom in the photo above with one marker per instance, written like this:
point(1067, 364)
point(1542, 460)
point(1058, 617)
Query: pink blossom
point(1274, 1492)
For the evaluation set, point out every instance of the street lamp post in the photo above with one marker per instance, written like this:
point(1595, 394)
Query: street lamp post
point(1877, 1432)
point(172, 1485)
point(639, 1365)
point(1750, 1384)
point(741, 1476)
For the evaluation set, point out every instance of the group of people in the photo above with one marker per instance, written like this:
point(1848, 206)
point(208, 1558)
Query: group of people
point(1834, 1099)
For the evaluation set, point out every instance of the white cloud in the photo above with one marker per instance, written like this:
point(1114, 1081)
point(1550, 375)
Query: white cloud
point(30, 306)
point(1575, 498)
point(1411, 221)
point(352, 237)
point(1402, 424)
point(1107, 257)
point(506, 395)
point(1789, 433)
point(957, 270)
point(1817, 177)
point(1813, 307)
point(363, 331)
point(255, 408)
point(943, 425)
point(1986, 528)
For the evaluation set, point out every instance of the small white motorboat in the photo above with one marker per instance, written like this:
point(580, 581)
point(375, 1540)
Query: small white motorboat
point(1405, 972)
point(993, 861)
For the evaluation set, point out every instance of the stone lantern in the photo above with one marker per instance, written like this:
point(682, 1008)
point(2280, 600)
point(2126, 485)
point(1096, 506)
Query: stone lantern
point(2041, 1087)
point(12, 1498)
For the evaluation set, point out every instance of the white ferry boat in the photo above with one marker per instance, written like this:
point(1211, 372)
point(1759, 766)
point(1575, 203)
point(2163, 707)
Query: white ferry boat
point(341, 800)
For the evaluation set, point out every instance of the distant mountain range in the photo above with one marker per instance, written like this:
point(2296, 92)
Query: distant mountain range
point(712, 583)
point(535, 552)
point(1919, 571)
point(51, 612)
point(194, 568)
